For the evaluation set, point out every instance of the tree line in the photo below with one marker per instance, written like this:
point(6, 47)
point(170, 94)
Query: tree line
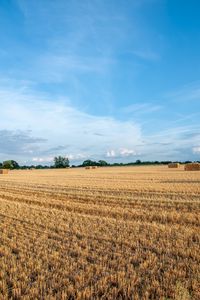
point(63, 162)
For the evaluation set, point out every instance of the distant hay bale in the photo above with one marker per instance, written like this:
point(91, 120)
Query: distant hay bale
point(3, 171)
point(173, 165)
point(192, 167)
point(94, 167)
point(88, 167)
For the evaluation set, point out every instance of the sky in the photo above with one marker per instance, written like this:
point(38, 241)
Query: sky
point(97, 79)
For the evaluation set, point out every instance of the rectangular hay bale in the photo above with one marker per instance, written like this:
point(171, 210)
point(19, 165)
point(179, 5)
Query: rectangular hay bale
point(192, 167)
point(173, 165)
point(3, 171)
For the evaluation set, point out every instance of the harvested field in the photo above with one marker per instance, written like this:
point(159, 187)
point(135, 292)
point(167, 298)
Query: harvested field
point(116, 233)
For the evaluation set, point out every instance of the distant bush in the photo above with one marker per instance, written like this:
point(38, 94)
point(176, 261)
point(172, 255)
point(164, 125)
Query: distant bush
point(10, 164)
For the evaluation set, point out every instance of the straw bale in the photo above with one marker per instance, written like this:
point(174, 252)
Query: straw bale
point(173, 165)
point(192, 167)
point(3, 171)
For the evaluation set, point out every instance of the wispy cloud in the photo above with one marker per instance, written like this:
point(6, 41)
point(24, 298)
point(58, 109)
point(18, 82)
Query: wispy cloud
point(147, 55)
point(59, 68)
point(141, 108)
point(185, 93)
point(82, 37)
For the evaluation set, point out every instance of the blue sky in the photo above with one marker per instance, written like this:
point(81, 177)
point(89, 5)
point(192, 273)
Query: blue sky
point(115, 80)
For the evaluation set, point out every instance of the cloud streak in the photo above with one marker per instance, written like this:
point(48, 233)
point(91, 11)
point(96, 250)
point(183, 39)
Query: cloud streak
point(141, 108)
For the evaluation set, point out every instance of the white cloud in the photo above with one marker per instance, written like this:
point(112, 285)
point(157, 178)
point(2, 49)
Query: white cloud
point(79, 156)
point(111, 153)
point(35, 127)
point(196, 150)
point(59, 123)
point(42, 159)
point(127, 152)
point(121, 153)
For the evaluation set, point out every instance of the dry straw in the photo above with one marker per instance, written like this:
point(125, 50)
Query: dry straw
point(192, 167)
point(173, 165)
point(3, 171)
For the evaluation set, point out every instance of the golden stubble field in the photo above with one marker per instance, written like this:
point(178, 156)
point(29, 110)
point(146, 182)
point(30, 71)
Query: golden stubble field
point(109, 233)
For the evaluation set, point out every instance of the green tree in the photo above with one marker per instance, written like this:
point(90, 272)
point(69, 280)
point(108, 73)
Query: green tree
point(102, 163)
point(89, 162)
point(61, 162)
point(138, 162)
point(10, 164)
